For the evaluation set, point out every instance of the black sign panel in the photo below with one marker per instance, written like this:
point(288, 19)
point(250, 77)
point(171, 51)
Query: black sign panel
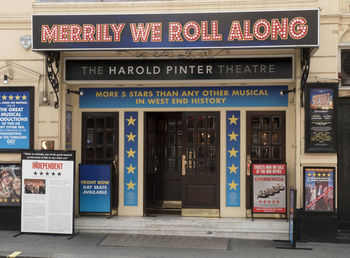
point(180, 69)
point(296, 28)
point(320, 117)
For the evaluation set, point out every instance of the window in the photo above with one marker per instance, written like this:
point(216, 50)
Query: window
point(345, 67)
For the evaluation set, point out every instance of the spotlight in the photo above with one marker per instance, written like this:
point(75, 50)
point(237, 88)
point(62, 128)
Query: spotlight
point(284, 92)
point(78, 92)
point(7, 78)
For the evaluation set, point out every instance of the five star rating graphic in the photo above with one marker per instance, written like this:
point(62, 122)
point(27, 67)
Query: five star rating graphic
point(130, 158)
point(14, 97)
point(233, 159)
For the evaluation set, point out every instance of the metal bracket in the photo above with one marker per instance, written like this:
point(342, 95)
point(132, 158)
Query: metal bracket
point(52, 69)
point(305, 66)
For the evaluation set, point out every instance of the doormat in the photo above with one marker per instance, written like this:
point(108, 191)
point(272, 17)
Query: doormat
point(165, 241)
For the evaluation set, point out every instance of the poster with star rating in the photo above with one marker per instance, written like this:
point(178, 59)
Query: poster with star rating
point(233, 167)
point(47, 192)
point(319, 192)
point(269, 188)
point(16, 118)
point(130, 158)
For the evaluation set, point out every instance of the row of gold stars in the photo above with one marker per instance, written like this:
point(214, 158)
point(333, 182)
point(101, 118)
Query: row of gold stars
point(233, 152)
point(318, 174)
point(131, 152)
point(17, 97)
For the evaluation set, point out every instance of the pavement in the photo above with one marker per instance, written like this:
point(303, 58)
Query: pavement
point(156, 246)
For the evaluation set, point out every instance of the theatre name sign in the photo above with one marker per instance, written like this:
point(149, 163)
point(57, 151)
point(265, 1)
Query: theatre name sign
point(297, 28)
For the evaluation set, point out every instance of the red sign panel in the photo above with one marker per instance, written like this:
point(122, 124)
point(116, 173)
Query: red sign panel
point(269, 188)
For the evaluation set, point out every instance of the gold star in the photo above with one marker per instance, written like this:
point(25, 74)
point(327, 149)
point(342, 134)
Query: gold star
point(233, 136)
point(319, 174)
point(10, 97)
point(24, 97)
point(131, 137)
point(17, 97)
point(233, 185)
point(323, 174)
point(4, 97)
point(131, 185)
point(131, 121)
point(233, 169)
point(131, 169)
point(233, 120)
point(131, 153)
point(233, 152)
point(309, 174)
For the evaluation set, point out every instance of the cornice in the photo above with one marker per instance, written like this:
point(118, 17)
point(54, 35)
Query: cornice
point(15, 21)
point(169, 6)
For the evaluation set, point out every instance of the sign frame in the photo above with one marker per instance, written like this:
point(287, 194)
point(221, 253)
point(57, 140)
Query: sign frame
point(256, 195)
point(110, 188)
point(223, 18)
point(111, 69)
point(332, 178)
point(323, 127)
point(19, 167)
point(30, 90)
point(50, 156)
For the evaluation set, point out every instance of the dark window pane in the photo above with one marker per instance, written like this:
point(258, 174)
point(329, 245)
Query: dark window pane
point(255, 153)
point(190, 138)
point(266, 123)
point(201, 122)
point(90, 137)
point(212, 152)
point(255, 138)
point(109, 137)
point(171, 152)
point(211, 138)
point(109, 152)
point(100, 138)
point(276, 138)
point(277, 153)
point(201, 152)
point(212, 163)
point(265, 138)
point(109, 122)
point(255, 122)
point(211, 122)
point(100, 153)
point(276, 123)
point(171, 138)
point(90, 122)
point(90, 152)
point(100, 123)
point(190, 122)
point(201, 138)
point(265, 153)
point(172, 125)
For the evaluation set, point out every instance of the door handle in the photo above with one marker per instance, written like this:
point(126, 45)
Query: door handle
point(249, 163)
point(116, 164)
point(184, 165)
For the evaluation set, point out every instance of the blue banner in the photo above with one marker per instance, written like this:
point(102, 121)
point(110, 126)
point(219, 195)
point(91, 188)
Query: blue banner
point(240, 96)
point(16, 118)
point(94, 188)
point(130, 158)
point(233, 160)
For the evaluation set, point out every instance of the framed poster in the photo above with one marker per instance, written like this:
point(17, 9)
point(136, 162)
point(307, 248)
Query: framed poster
point(10, 184)
point(48, 192)
point(269, 188)
point(319, 189)
point(94, 188)
point(16, 119)
point(321, 118)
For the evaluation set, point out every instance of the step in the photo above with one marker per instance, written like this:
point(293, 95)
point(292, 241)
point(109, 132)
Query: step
point(186, 226)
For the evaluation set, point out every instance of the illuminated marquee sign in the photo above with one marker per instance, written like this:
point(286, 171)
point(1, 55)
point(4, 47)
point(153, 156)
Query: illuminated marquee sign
point(297, 28)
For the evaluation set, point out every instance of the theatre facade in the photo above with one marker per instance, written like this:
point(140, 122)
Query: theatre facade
point(197, 113)
point(182, 104)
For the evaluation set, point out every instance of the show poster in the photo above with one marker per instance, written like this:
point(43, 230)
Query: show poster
point(319, 189)
point(269, 188)
point(94, 188)
point(16, 118)
point(321, 118)
point(10, 184)
point(48, 192)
